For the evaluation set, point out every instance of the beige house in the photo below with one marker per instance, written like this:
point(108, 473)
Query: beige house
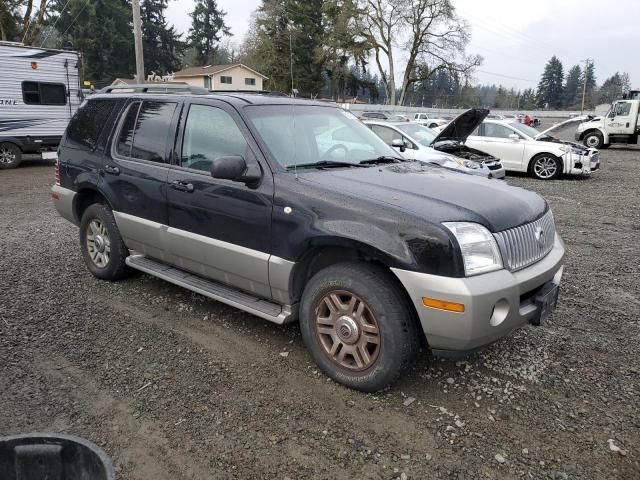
point(234, 76)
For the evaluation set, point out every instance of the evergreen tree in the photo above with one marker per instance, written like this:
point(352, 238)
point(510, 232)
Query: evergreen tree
point(572, 87)
point(207, 29)
point(161, 44)
point(550, 88)
point(528, 99)
point(10, 20)
point(287, 35)
point(101, 31)
point(342, 46)
point(613, 88)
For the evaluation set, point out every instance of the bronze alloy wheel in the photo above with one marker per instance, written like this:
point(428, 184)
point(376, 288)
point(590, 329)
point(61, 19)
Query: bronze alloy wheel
point(347, 330)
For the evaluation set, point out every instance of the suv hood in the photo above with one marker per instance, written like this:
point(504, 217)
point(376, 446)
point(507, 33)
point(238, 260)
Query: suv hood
point(435, 194)
point(562, 125)
point(462, 126)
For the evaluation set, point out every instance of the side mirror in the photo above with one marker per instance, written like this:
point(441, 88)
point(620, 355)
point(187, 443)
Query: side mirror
point(514, 136)
point(399, 143)
point(235, 169)
point(612, 115)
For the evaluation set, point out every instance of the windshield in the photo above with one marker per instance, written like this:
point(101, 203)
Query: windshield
point(527, 130)
point(305, 134)
point(423, 135)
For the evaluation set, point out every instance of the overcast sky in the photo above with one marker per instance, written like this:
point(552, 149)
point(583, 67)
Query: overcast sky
point(516, 38)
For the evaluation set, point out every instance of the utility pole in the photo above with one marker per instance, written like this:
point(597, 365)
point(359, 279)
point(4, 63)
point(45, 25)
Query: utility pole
point(137, 36)
point(584, 83)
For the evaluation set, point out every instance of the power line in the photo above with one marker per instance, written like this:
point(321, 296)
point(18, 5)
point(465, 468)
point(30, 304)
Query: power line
point(75, 18)
point(509, 33)
point(54, 24)
point(507, 76)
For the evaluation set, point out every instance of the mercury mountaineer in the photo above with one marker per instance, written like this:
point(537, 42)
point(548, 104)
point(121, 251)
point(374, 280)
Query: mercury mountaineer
point(294, 210)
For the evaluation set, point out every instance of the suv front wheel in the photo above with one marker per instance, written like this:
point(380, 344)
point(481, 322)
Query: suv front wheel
point(102, 247)
point(357, 327)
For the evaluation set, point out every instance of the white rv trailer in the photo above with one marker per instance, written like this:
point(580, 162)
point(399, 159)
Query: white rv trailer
point(39, 93)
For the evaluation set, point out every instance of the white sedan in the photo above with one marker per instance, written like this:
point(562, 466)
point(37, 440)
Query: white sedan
point(525, 149)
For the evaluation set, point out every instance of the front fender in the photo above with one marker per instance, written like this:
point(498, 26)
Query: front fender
point(392, 237)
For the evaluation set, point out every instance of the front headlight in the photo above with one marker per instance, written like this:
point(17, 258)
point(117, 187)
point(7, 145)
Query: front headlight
point(573, 150)
point(480, 251)
point(467, 163)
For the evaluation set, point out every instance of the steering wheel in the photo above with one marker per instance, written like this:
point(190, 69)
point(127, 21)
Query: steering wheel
point(337, 146)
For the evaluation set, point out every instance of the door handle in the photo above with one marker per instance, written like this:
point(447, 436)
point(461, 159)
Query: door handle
point(182, 186)
point(113, 170)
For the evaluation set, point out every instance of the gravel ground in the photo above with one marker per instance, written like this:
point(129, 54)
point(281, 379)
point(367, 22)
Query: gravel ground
point(175, 386)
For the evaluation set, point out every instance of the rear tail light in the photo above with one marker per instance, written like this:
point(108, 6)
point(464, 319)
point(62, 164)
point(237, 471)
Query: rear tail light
point(57, 171)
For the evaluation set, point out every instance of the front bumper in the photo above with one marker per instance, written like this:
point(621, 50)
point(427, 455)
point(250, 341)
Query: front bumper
point(583, 165)
point(495, 303)
point(498, 172)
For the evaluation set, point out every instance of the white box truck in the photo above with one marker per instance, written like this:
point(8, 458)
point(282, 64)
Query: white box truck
point(39, 93)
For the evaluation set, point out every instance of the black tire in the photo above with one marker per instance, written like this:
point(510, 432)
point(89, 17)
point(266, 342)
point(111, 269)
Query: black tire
point(545, 166)
point(433, 125)
point(593, 140)
point(384, 301)
point(10, 155)
point(115, 267)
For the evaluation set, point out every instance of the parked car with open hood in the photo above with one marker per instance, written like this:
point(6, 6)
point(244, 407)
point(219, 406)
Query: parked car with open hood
point(524, 149)
point(424, 144)
point(293, 210)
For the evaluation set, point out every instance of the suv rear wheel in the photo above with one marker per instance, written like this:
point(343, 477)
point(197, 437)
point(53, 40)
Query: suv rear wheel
point(10, 155)
point(356, 325)
point(102, 247)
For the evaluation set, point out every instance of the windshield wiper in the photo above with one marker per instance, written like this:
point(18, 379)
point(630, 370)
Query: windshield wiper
point(324, 164)
point(382, 159)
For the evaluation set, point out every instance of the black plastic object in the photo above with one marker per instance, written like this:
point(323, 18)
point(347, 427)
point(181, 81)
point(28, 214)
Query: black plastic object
point(50, 456)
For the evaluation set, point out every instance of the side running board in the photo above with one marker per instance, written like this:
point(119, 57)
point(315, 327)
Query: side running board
point(210, 288)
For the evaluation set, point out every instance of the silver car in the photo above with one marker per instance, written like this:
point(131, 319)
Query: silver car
point(423, 144)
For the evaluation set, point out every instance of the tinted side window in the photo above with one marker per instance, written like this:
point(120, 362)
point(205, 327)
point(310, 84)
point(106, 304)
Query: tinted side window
point(143, 135)
point(87, 124)
point(152, 128)
point(31, 93)
point(39, 93)
point(125, 139)
point(52, 94)
point(210, 133)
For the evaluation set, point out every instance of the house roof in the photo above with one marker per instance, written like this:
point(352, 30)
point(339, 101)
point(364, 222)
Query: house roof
point(212, 69)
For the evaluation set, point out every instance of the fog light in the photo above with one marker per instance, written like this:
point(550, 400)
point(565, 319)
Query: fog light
point(500, 312)
point(443, 305)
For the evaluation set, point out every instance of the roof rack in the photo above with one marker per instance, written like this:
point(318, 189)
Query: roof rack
point(155, 88)
point(250, 92)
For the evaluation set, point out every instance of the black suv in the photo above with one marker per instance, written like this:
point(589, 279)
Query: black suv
point(292, 209)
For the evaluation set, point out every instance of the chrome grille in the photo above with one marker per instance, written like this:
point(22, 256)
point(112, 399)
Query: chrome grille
point(527, 244)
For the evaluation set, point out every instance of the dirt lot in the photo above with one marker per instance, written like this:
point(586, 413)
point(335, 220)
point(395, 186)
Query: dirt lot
point(175, 386)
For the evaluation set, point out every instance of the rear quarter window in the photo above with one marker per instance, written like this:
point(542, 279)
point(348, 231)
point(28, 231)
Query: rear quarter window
point(87, 124)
